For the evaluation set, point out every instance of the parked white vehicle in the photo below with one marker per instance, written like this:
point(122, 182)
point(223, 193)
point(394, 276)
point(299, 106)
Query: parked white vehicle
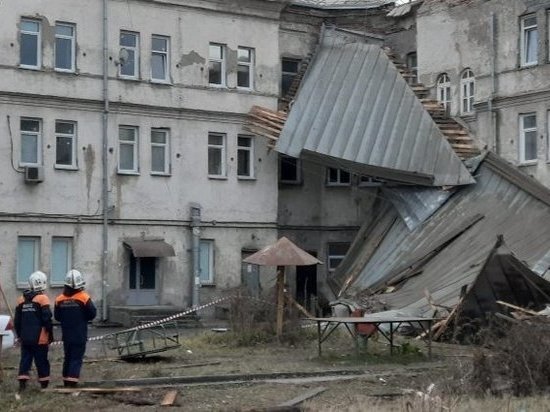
point(7, 331)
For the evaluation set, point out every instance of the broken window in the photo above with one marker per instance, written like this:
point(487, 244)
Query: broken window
point(30, 44)
point(28, 258)
point(290, 171)
point(65, 47)
point(61, 259)
point(412, 65)
point(290, 69)
point(129, 55)
point(245, 66)
point(245, 156)
point(216, 64)
point(529, 41)
point(160, 62)
point(528, 138)
point(160, 164)
point(206, 262)
point(31, 142)
point(338, 177)
point(216, 155)
point(335, 254)
point(65, 145)
point(128, 149)
point(444, 91)
point(467, 91)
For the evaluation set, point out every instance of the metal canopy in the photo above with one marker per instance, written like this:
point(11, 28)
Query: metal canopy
point(355, 109)
point(282, 253)
point(150, 248)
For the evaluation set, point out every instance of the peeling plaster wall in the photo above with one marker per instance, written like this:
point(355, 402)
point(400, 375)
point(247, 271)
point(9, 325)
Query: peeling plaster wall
point(453, 37)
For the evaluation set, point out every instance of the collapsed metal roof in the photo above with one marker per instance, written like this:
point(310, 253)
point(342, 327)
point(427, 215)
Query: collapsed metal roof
point(342, 4)
point(355, 111)
point(448, 251)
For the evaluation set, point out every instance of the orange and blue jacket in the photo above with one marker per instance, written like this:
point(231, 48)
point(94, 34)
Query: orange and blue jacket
point(33, 319)
point(74, 309)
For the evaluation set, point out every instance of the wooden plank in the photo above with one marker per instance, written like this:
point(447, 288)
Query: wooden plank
point(93, 390)
point(298, 306)
point(274, 132)
point(529, 311)
point(258, 131)
point(267, 121)
point(304, 397)
point(280, 300)
point(169, 398)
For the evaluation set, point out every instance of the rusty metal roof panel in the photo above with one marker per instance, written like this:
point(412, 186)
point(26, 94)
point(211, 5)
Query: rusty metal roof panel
point(282, 253)
point(355, 106)
point(511, 203)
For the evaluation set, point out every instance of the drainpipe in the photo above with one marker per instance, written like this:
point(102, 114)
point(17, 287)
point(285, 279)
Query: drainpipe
point(492, 112)
point(104, 165)
point(196, 237)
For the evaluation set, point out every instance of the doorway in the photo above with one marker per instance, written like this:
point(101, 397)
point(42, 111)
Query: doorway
point(306, 284)
point(142, 281)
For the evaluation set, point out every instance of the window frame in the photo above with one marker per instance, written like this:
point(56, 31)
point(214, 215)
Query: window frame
point(288, 74)
point(38, 142)
point(73, 46)
point(524, 39)
point(135, 49)
point(443, 84)
point(331, 257)
point(466, 79)
point(73, 136)
point(223, 148)
point(222, 60)
point(338, 182)
point(251, 150)
point(165, 146)
point(166, 55)
point(38, 44)
point(36, 260)
point(135, 150)
point(298, 180)
point(250, 66)
point(211, 262)
point(412, 67)
point(69, 261)
point(521, 140)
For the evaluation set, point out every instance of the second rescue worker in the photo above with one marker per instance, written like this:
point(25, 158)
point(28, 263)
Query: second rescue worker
point(74, 309)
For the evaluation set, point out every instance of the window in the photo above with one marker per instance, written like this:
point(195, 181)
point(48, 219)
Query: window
point(160, 160)
point(245, 67)
point(290, 171)
point(64, 47)
point(369, 181)
point(290, 70)
point(61, 259)
point(65, 145)
point(245, 156)
point(335, 254)
point(31, 142)
point(206, 261)
point(528, 137)
point(529, 41)
point(338, 177)
point(129, 55)
point(159, 59)
point(216, 64)
point(412, 65)
point(444, 91)
point(128, 149)
point(28, 258)
point(30, 44)
point(216, 155)
point(467, 91)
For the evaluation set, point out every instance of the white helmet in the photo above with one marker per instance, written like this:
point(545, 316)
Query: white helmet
point(74, 279)
point(38, 281)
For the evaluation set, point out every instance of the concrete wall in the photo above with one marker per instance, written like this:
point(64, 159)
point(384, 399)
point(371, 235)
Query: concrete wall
point(236, 213)
point(454, 37)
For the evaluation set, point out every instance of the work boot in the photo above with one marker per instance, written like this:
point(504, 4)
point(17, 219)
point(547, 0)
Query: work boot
point(22, 385)
point(44, 384)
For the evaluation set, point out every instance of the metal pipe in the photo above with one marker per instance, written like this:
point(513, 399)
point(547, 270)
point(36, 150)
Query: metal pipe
point(492, 114)
point(196, 237)
point(104, 164)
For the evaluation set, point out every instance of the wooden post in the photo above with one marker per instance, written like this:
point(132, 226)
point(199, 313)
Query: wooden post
point(280, 299)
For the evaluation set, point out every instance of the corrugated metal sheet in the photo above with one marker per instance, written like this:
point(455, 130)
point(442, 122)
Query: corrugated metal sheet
point(512, 203)
point(354, 107)
point(342, 4)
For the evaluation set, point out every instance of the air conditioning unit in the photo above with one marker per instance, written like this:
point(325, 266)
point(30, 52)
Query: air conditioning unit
point(34, 174)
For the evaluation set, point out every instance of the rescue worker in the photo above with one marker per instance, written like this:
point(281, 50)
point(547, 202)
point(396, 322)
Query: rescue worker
point(33, 325)
point(74, 309)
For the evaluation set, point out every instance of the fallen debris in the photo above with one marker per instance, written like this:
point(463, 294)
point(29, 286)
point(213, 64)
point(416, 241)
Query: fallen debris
point(93, 390)
point(169, 398)
point(304, 397)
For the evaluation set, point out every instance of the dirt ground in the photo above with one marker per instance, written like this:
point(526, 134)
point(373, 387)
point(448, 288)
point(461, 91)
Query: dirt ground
point(377, 381)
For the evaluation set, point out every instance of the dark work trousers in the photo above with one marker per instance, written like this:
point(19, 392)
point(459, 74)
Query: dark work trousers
point(38, 353)
point(74, 353)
